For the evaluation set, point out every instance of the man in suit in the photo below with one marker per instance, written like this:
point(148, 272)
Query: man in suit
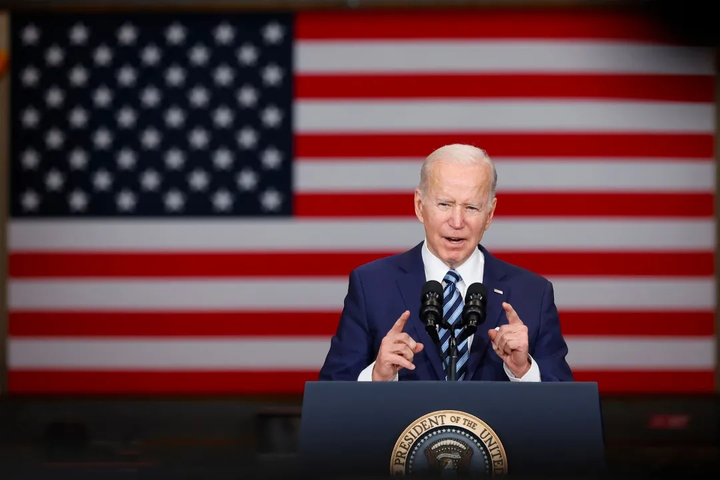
point(380, 336)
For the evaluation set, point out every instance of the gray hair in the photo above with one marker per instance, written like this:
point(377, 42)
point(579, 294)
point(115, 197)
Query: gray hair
point(458, 153)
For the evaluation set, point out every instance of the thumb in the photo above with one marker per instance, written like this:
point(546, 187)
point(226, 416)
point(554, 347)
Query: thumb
point(492, 333)
point(418, 348)
point(400, 323)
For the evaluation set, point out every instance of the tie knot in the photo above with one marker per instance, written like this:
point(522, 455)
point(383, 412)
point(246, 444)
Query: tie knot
point(452, 277)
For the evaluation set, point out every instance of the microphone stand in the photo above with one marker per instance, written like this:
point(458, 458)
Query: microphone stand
point(452, 349)
point(452, 356)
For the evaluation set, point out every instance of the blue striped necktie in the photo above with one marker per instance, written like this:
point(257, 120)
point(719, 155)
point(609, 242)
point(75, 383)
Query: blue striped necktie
point(452, 312)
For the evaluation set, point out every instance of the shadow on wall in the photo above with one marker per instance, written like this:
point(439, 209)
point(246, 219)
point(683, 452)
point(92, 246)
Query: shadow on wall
point(648, 435)
point(691, 22)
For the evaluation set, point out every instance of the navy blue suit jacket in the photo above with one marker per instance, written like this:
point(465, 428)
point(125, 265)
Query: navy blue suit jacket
point(380, 291)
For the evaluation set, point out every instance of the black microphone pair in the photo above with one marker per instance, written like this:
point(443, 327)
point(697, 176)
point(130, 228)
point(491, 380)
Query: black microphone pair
point(431, 314)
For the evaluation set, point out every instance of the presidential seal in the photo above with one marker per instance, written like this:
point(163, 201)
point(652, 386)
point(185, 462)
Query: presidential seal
point(448, 442)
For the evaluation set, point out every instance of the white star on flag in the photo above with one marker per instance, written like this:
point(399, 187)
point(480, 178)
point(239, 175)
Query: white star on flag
point(79, 76)
point(54, 56)
point(150, 180)
point(30, 35)
point(78, 201)
point(102, 180)
point(174, 200)
point(247, 138)
point(271, 199)
point(103, 56)
point(175, 34)
point(30, 201)
point(224, 34)
point(79, 34)
point(30, 77)
point(127, 34)
point(247, 54)
point(273, 33)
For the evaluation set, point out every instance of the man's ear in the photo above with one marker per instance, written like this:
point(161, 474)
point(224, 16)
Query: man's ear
point(419, 205)
point(492, 213)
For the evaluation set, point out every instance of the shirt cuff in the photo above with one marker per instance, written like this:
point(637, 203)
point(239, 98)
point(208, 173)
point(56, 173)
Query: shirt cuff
point(532, 375)
point(366, 374)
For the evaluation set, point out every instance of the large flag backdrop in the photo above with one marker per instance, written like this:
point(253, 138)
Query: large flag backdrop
point(190, 192)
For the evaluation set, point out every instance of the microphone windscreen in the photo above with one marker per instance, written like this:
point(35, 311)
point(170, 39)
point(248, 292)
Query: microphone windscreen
point(476, 288)
point(433, 286)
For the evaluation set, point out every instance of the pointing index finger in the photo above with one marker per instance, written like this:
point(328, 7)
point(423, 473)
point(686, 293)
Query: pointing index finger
point(511, 314)
point(399, 325)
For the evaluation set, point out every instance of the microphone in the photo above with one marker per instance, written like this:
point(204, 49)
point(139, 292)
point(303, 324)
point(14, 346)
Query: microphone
point(474, 312)
point(431, 308)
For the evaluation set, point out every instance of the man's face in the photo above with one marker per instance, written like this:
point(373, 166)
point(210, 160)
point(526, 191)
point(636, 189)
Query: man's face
point(455, 210)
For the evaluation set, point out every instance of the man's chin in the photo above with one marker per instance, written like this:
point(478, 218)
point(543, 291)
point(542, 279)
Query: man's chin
point(454, 257)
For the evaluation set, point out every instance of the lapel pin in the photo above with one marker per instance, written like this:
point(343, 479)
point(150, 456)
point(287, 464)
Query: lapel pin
point(497, 291)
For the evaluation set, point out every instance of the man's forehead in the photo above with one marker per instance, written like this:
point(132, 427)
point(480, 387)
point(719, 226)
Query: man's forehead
point(473, 195)
point(441, 166)
point(465, 182)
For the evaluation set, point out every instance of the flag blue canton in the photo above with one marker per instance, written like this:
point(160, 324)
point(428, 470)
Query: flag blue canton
point(152, 115)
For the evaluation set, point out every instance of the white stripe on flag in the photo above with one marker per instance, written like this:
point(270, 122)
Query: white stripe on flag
point(418, 116)
point(215, 354)
point(352, 235)
point(572, 175)
point(608, 353)
point(311, 294)
point(503, 56)
point(309, 354)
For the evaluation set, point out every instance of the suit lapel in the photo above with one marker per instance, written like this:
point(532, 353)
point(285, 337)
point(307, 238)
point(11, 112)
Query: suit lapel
point(410, 282)
point(493, 280)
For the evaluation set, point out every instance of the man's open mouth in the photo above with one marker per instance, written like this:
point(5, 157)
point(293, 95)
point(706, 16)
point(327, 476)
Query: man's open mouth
point(455, 240)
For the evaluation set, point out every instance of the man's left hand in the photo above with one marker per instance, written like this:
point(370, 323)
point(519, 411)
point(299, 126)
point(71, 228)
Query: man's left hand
point(510, 342)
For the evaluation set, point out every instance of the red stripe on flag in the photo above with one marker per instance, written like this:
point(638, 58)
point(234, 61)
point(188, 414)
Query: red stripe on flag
point(467, 24)
point(541, 204)
point(638, 323)
point(321, 324)
point(158, 382)
point(677, 264)
point(678, 88)
point(163, 265)
point(293, 382)
point(172, 324)
point(210, 264)
point(652, 381)
point(606, 146)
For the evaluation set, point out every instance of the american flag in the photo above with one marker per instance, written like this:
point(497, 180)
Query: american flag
point(189, 192)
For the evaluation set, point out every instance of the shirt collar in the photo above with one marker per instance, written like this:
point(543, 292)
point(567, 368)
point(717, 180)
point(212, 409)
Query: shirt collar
point(471, 271)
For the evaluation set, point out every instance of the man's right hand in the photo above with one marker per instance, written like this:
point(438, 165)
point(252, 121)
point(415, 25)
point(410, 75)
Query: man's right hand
point(396, 351)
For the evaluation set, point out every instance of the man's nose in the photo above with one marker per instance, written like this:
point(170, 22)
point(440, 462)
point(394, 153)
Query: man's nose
point(457, 217)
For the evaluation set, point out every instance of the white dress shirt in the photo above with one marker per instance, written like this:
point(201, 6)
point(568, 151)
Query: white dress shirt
point(470, 272)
